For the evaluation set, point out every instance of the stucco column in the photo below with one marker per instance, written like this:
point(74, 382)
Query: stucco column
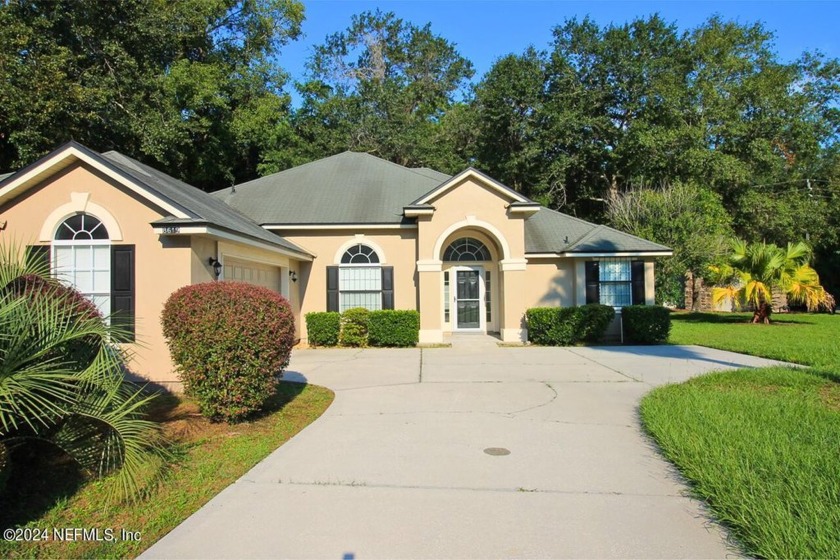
point(513, 328)
point(431, 298)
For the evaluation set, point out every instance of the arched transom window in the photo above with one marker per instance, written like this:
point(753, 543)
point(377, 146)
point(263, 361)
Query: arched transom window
point(81, 226)
point(360, 279)
point(82, 257)
point(360, 254)
point(466, 249)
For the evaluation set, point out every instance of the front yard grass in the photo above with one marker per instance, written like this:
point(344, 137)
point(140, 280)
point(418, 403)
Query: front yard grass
point(807, 339)
point(207, 458)
point(760, 446)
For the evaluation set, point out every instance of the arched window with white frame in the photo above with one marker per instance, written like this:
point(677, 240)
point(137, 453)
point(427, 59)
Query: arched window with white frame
point(359, 279)
point(81, 257)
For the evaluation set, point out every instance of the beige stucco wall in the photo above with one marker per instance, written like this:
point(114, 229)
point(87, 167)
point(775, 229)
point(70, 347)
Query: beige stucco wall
point(161, 266)
point(472, 208)
point(396, 247)
point(550, 283)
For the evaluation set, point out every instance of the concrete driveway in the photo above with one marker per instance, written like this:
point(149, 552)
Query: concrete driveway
point(400, 465)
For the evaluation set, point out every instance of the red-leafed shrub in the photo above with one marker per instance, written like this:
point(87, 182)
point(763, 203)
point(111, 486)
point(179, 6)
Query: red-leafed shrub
point(230, 342)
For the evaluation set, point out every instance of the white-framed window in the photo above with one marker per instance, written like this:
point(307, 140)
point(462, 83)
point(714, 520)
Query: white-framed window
point(616, 282)
point(359, 279)
point(81, 257)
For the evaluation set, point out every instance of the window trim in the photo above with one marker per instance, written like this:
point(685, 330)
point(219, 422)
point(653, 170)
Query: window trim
point(378, 266)
point(600, 283)
point(62, 275)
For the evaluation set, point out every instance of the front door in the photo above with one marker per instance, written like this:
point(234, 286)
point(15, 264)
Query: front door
point(469, 300)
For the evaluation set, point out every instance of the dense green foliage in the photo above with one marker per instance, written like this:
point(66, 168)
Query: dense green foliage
point(634, 110)
point(565, 326)
point(189, 87)
point(354, 327)
point(393, 327)
point(62, 381)
point(689, 219)
point(359, 327)
point(323, 328)
point(230, 342)
point(809, 340)
point(760, 447)
point(645, 324)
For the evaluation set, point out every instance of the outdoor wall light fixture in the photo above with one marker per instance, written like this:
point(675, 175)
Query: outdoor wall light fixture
point(217, 266)
point(293, 275)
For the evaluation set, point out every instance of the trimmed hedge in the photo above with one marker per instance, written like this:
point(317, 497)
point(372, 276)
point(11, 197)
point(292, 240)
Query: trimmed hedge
point(230, 341)
point(565, 326)
point(323, 327)
point(596, 319)
point(354, 327)
point(646, 324)
point(390, 327)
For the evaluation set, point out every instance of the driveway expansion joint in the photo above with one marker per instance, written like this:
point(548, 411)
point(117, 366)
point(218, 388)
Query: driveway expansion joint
point(504, 490)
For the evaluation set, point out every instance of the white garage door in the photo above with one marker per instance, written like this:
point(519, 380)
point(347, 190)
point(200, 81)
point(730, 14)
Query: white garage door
point(253, 273)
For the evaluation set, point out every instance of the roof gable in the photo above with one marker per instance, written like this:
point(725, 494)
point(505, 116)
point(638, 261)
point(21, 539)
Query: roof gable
point(70, 153)
point(471, 173)
point(184, 203)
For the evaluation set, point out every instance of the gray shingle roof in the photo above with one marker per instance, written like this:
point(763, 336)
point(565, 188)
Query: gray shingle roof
point(202, 207)
point(347, 188)
point(548, 231)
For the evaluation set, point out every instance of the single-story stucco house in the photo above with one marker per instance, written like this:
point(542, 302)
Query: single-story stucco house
point(470, 254)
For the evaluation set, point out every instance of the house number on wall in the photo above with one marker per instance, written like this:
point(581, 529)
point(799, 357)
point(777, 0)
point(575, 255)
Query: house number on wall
point(171, 229)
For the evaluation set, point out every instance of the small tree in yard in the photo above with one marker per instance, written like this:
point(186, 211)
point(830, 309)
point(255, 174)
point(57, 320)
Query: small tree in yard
point(62, 381)
point(754, 270)
point(230, 342)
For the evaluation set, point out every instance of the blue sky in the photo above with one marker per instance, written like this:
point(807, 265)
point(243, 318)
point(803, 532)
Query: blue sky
point(485, 30)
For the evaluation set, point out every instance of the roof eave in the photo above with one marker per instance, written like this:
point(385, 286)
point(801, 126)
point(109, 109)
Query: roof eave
point(175, 227)
point(68, 154)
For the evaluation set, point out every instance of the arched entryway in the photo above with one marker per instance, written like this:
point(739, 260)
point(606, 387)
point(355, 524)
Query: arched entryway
point(470, 277)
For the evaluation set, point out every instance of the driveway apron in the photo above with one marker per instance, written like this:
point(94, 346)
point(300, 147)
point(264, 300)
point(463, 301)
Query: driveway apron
point(473, 451)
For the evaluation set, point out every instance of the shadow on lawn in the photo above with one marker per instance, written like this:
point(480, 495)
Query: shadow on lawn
point(738, 318)
point(41, 477)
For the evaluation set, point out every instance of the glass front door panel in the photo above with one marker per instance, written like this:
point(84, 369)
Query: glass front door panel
point(468, 299)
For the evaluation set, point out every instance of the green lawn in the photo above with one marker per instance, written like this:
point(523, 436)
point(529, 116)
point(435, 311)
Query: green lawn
point(760, 446)
point(807, 339)
point(208, 457)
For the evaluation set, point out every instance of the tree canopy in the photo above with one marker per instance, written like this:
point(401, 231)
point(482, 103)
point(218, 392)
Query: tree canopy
point(197, 89)
point(190, 87)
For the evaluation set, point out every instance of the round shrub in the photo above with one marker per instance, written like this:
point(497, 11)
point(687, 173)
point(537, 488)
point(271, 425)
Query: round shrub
point(230, 341)
point(354, 327)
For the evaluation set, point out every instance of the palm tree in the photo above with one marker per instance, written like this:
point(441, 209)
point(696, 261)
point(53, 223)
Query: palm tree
point(62, 379)
point(754, 270)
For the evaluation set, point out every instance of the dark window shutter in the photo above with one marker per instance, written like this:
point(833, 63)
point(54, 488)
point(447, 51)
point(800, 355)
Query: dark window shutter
point(387, 287)
point(122, 290)
point(593, 282)
point(637, 274)
point(332, 288)
point(38, 254)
